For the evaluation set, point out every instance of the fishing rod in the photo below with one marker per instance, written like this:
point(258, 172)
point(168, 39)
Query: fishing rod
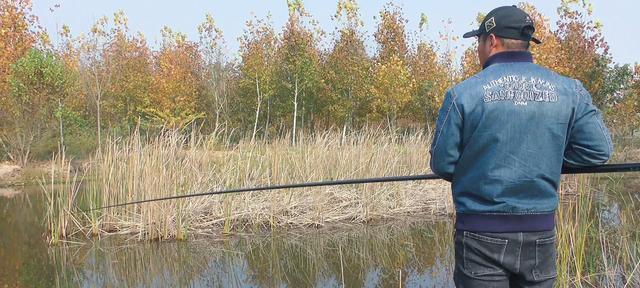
point(607, 168)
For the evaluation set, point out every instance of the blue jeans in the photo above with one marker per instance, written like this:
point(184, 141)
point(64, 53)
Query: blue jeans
point(520, 259)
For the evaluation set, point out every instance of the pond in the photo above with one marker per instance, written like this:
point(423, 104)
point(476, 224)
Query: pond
point(411, 252)
point(403, 252)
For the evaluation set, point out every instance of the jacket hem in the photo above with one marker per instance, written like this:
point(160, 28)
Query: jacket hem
point(502, 223)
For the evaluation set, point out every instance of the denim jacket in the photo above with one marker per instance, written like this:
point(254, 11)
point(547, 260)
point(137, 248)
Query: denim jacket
point(502, 137)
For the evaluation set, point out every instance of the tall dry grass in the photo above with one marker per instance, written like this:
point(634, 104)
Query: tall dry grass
point(598, 240)
point(174, 164)
point(61, 187)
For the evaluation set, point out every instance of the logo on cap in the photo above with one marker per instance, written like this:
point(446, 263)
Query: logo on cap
point(528, 20)
point(490, 24)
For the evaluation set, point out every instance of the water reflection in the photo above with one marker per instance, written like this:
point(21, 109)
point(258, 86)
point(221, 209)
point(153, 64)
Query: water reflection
point(23, 252)
point(414, 253)
point(417, 254)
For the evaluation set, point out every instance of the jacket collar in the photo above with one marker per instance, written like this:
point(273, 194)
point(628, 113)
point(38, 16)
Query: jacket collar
point(509, 56)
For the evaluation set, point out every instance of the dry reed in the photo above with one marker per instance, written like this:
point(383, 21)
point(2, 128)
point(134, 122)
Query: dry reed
point(174, 164)
point(60, 191)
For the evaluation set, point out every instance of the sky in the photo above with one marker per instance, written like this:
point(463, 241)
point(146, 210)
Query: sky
point(619, 17)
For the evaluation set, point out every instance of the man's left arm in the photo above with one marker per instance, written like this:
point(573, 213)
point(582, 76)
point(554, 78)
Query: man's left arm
point(446, 146)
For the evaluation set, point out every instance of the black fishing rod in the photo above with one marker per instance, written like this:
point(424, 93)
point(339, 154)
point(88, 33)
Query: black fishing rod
point(607, 168)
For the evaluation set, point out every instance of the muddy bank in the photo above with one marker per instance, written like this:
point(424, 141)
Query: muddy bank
point(9, 172)
point(8, 192)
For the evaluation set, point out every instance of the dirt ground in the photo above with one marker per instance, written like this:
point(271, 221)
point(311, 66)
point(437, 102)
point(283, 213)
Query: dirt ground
point(9, 173)
point(8, 192)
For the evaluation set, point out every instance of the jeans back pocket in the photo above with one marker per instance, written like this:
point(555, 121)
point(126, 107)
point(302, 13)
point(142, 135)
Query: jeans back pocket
point(483, 255)
point(545, 258)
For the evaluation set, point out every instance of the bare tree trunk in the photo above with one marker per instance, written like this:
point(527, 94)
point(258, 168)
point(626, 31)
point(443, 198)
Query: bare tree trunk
point(216, 97)
point(222, 99)
point(301, 135)
point(26, 150)
point(266, 125)
point(217, 121)
point(225, 98)
point(218, 109)
point(24, 139)
point(351, 108)
point(62, 149)
point(427, 121)
point(98, 99)
point(99, 123)
point(255, 124)
point(295, 109)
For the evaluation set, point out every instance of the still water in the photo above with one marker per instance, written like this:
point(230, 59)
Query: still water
point(404, 252)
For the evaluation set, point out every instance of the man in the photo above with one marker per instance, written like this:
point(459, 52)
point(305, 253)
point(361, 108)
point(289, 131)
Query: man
point(501, 139)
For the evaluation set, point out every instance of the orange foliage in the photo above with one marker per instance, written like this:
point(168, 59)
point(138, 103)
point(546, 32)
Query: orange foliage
point(346, 69)
point(131, 79)
point(17, 36)
point(391, 36)
point(177, 80)
point(433, 76)
point(285, 77)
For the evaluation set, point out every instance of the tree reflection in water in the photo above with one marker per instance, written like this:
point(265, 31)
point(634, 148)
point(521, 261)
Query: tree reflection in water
point(417, 253)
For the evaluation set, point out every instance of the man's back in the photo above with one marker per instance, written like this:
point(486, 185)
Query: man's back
point(501, 139)
point(516, 121)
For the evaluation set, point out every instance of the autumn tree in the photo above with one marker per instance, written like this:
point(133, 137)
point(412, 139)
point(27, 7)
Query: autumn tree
point(257, 83)
point(283, 80)
point(17, 36)
point(546, 53)
point(18, 33)
point(214, 99)
point(298, 69)
point(347, 70)
point(95, 73)
point(390, 34)
point(177, 81)
point(128, 62)
point(623, 84)
point(68, 51)
point(633, 99)
point(584, 54)
point(40, 85)
point(433, 73)
point(470, 64)
point(392, 82)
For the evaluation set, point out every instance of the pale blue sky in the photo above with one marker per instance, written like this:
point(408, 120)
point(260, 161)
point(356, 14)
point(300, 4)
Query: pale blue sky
point(620, 18)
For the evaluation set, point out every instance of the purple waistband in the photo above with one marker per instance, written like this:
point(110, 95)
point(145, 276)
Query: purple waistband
point(505, 222)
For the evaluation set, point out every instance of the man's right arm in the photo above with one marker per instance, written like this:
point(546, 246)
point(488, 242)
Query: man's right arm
point(589, 139)
point(446, 145)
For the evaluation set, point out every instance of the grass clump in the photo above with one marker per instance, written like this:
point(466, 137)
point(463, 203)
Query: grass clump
point(60, 191)
point(173, 164)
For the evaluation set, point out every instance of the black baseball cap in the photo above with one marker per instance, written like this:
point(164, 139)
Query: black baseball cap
point(507, 22)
